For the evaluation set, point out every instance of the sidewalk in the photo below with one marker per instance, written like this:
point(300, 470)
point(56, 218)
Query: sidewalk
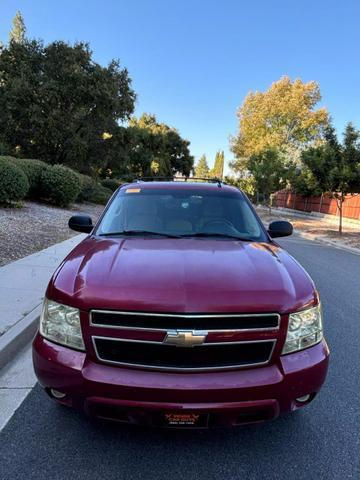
point(316, 228)
point(22, 289)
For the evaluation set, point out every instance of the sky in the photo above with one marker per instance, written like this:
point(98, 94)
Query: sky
point(192, 62)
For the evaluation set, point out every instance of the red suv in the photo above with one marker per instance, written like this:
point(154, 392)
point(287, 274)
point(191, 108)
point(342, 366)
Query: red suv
point(179, 309)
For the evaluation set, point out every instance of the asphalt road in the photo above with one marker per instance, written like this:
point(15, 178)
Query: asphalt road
point(322, 441)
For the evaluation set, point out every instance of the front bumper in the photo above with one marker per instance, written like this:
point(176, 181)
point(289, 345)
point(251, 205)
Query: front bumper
point(138, 396)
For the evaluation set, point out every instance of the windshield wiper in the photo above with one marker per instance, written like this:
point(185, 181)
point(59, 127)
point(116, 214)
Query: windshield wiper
point(211, 234)
point(139, 233)
point(143, 233)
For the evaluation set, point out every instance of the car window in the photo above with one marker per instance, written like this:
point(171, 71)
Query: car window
point(182, 213)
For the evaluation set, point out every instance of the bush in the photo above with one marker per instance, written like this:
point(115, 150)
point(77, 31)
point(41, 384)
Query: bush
point(33, 170)
point(14, 184)
point(100, 195)
point(87, 185)
point(94, 192)
point(111, 184)
point(60, 185)
point(4, 149)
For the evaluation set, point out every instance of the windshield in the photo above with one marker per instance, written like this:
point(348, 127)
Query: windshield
point(181, 213)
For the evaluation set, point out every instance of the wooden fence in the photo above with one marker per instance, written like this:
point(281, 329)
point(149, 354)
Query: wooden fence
point(323, 204)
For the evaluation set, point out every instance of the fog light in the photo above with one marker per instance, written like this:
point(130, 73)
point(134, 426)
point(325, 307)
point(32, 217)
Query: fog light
point(303, 399)
point(57, 394)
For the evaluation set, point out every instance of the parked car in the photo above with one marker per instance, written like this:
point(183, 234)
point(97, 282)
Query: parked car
point(179, 309)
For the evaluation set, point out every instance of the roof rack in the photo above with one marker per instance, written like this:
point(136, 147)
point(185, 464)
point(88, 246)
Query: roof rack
point(180, 179)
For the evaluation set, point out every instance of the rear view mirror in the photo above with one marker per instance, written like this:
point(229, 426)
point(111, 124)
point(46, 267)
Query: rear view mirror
point(280, 228)
point(81, 223)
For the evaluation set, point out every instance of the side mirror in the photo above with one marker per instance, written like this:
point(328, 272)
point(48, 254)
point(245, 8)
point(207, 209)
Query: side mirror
point(81, 223)
point(280, 228)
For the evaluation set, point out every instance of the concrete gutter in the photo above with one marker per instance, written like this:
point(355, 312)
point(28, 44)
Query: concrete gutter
point(326, 241)
point(16, 381)
point(22, 289)
point(19, 336)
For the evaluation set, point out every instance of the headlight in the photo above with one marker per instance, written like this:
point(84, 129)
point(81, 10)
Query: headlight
point(304, 329)
point(61, 324)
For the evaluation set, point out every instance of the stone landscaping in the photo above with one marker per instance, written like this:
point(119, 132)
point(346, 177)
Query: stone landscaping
point(36, 226)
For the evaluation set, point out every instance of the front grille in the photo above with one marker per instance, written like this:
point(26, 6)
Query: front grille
point(202, 357)
point(161, 321)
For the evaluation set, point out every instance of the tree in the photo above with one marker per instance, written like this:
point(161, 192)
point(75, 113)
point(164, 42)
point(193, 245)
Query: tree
point(269, 171)
point(202, 168)
point(245, 182)
point(335, 167)
point(218, 170)
point(149, 148)
point(17, 34)
point(305, 183)
point(56, 102)
point(282, 118)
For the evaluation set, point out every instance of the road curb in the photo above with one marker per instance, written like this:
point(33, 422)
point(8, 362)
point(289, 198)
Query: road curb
point(330, 219)
point(12, 341)
point(308, 236)
point(331, 243)
point(333, 219)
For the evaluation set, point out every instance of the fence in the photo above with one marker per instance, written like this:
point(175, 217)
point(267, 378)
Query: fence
point(323, 204)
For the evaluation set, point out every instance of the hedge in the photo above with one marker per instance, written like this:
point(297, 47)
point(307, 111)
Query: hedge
point(14, 184)
point(87, 184)
point(94, 192)
point(56, 184)
point(100, 195)
point(111, 184)
point(60, 185)
point(33, 170)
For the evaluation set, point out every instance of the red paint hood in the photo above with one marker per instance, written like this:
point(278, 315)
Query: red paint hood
point(181, 275)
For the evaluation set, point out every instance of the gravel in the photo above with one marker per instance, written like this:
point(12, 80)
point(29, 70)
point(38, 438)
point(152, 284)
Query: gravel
point(36, 226)
point(316, 228)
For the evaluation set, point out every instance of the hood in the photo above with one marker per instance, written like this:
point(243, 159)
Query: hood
point(181, 275)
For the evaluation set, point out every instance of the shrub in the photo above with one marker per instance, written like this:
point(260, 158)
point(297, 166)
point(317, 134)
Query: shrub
point(111, 184)
point(94, 192)
point(60, 185)
point(33, 170)
point(14, 184)
point(100, 195)
point(4, 149)
point(87, 185)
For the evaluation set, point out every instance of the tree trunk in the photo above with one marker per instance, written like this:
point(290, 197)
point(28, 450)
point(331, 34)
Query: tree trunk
point(340, 207)
point(269, 202)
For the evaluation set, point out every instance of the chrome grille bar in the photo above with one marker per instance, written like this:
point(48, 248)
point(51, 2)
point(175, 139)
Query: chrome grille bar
point(151, 366)
point(256, 317)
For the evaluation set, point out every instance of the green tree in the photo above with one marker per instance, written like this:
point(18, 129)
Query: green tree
point(218, 170)
point(18, 31)
point(246, 183)
point(149, 148)
point(283, 118)
point(57, 103)
point(335, 168)
point(269, 171)
point(305, 183)
point(202, 168)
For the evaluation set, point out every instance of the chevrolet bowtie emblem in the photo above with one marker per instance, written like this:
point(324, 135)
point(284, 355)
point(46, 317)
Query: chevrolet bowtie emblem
point(185, 338)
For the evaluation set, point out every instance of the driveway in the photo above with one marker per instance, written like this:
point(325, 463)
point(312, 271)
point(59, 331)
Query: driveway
point(322, 441)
